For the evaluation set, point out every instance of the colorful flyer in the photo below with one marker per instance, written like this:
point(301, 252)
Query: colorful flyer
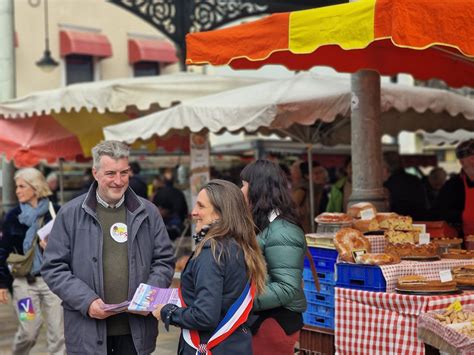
point(147, 297)
point(26, 311)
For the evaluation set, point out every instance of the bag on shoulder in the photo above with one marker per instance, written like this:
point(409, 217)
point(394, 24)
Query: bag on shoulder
point(20, 265)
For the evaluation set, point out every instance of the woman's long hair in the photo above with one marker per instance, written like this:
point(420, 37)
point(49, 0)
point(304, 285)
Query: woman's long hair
point(268, 191)
point(235, 221)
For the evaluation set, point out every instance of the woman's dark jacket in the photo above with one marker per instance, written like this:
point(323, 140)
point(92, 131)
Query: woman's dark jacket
point(12, 241)
point(209, 288)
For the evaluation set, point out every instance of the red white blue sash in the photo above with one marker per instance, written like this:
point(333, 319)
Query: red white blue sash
point(235, 316)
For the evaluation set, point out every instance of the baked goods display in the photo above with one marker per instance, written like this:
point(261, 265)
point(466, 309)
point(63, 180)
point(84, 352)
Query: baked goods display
point(366, 225)
point(373, 224)
point(458, 254)
point(445, 244)
point(333, 217)
point(398, 223)
point(451, 316)
point(348, 240)
point(408, 250)
point(378, 259)
point(357, 210)
point(420, 283)
point(464, 275)
point(398, 236)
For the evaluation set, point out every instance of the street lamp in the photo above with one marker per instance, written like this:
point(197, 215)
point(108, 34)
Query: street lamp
point(46, 63)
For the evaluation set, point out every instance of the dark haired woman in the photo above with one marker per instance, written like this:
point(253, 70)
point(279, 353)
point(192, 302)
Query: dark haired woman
point(279, 309)
point(219, 282)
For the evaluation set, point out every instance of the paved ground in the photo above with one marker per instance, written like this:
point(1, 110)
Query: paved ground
point(166, 345)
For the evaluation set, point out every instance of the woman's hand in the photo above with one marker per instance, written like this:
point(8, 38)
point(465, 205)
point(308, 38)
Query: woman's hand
point(3, 295)
point(157, 311)
point(43, 243)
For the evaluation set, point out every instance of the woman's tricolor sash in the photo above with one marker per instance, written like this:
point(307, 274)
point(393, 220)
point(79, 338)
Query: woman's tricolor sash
point(235, 316)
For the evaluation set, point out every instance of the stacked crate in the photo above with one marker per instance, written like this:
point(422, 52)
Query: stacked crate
point(320, 311)
point(361, 277)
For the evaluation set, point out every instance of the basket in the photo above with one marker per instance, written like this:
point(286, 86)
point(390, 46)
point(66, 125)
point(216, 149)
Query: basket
point(444, 338)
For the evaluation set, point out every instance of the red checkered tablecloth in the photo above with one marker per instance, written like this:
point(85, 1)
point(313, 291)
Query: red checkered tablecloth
point(430, 270)
point(377, 243)
point(383, 323)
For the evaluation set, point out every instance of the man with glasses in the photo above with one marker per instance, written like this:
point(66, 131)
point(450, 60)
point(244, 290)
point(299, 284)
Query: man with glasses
point(102, 246)
point(455, 202)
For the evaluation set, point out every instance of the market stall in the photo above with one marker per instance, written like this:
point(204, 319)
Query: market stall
point(379, 272)
point(384, 323)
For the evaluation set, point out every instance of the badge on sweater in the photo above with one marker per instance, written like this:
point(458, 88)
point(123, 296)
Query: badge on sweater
point(26, 311)
point(118, 232)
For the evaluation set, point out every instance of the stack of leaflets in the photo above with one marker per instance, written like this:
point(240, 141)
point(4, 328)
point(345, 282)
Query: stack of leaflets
point(118, 307)
point(147, 297)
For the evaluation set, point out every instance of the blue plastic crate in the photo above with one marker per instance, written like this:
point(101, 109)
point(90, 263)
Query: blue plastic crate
point(319, 298)
point(328, 277)
point(325, 288)
point(323, 253)
point(321, 310)
point(361, 277)
point(324, 259)
point(318, 320)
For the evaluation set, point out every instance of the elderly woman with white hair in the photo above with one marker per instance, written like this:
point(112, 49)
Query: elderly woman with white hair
point(31, 297)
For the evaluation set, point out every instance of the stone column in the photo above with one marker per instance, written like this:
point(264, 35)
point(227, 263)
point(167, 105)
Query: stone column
point(366, 143)
point(7, 90)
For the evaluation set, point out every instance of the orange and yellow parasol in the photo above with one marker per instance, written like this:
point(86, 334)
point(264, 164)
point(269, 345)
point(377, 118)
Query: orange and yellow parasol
point(425, 38)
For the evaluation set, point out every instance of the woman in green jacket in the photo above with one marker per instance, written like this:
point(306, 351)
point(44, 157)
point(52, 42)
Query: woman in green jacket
point(279, 309)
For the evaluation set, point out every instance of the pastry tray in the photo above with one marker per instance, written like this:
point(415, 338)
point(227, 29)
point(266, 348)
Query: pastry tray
point(421, 258)
point(456, 291)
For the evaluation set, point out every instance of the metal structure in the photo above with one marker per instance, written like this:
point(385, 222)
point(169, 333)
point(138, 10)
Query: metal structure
point(176, 18)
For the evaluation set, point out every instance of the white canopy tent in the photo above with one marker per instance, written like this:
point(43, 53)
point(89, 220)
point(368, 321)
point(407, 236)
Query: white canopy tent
point(116, 95)
point(293, 106)
point(307, 107)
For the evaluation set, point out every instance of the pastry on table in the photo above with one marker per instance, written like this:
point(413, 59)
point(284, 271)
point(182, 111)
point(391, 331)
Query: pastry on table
point(333, 218)
point(464, 275)
point(398, 236)
point(458, 254)
point(348, 240)
point(420, 283)
point(378, 259)
point(404, 250)
point(355, 210)
point(399, 223)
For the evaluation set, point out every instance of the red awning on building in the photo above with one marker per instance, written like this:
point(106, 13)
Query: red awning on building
point(151, 50)
point(86, 43)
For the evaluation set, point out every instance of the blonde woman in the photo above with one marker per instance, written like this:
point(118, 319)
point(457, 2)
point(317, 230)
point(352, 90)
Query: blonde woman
point(32, 298)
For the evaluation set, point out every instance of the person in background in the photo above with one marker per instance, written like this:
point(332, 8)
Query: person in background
point(174, 224)
point(173, 195)
point(455, 202)
point(301, 193)
point(87, 181)
point(137, 184)
point(226, 266)
point(407, 195)
point(295, 174)
point(30, 293)
point(279, 310)
point(102, 246)
point(53, 183)
point(433, 184)
point(341, 190)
